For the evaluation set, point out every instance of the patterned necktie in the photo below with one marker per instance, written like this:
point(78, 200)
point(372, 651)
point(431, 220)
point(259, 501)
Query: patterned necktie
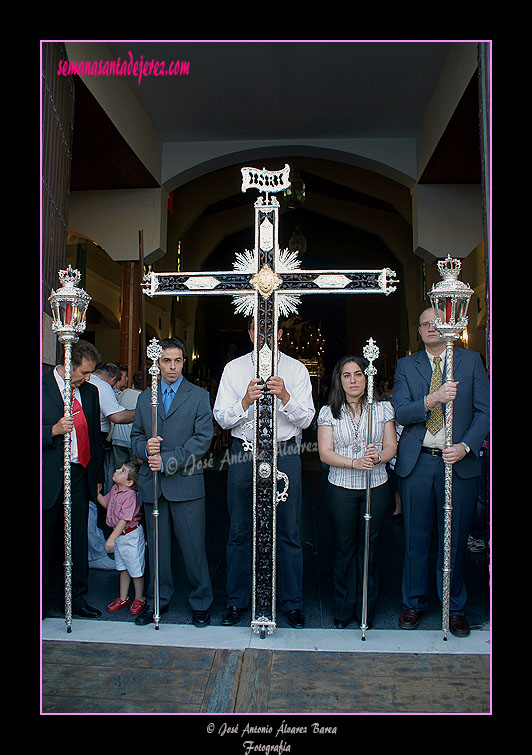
point(82, 432)
point(435, 422)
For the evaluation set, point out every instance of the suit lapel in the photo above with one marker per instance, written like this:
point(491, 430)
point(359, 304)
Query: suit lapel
point(52, 390)
point(180, 397)
point(160, 406)
point(423, 366)
point(457, 360)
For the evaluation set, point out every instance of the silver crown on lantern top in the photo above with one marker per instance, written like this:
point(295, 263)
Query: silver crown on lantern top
point(450, 297)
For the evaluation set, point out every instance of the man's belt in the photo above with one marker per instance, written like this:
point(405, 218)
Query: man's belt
point(129, 529)
point(431, 451)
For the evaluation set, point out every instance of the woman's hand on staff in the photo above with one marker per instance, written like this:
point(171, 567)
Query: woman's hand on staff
point(368, 461)
point(372, 453)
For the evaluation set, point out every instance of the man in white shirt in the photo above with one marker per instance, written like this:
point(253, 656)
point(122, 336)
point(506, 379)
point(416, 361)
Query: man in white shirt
point(233, 408)
point(105, 378)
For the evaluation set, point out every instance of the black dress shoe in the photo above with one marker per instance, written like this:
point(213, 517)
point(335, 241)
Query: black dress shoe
point(409, 619)
point(232, 616)
point(201, 618)
point(87, 612)
point(295, 618)
point(458, 626)
point(146, 617)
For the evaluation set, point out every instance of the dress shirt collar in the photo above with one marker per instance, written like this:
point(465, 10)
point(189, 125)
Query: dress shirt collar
point(61, 385)
point(431, 358)
point(174, 386)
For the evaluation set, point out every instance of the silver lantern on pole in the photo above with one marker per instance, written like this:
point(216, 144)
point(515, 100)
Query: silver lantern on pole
point(69, 308)
point(449, 299)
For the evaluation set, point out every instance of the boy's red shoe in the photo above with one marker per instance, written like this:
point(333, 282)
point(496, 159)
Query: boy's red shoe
point(117, 604)
point(137, 606)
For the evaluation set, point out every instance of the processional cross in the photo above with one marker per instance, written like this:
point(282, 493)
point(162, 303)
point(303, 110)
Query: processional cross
point(267, 282)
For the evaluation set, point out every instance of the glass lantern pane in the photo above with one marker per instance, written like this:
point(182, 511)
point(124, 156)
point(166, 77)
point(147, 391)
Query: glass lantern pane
point(65, 312)
point(462, 308)
point(449, 309)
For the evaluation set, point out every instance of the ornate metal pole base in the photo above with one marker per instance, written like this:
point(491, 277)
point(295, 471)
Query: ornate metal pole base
point(263, 626)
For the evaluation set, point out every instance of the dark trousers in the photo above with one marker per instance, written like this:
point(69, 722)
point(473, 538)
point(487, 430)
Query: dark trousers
point(187, 519)
point(346, 510)
point(53, 545)
point(288, 545)
point(423, 498)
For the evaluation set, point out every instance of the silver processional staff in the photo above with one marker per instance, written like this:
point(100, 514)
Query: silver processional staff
point(154, 352)
point(371, 352)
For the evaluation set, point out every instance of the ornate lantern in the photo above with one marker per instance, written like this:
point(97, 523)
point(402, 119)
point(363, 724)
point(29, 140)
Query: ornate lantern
point(69, 307)
point(450, 300)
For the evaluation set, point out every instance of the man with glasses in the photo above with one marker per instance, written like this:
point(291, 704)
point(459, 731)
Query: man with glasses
point(420, 394)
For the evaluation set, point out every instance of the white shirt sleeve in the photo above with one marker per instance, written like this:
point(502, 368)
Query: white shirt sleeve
point(228, 411)
point(108, 403)
point(299, 409)
point(295, 415)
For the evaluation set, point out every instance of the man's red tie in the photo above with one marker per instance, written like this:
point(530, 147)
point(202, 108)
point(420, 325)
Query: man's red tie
point(82, 432)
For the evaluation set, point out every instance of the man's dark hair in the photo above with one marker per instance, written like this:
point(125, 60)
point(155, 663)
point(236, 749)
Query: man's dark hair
point(137, 380)
point(109, 370)
point(84, 350)
point(173, 343)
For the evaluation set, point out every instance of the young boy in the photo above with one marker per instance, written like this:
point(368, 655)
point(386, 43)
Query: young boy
point(127, 538)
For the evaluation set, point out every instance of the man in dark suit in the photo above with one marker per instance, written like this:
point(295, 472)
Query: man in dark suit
point(184, 434)
point(420, 468)
point(86, 476)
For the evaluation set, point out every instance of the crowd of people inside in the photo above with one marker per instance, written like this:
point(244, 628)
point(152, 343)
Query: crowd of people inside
point(393, 445)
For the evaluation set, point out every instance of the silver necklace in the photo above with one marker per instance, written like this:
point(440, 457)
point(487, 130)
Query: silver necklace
point(356, 428)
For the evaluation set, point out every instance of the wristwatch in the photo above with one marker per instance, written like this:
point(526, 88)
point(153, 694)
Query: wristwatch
point(467, 449)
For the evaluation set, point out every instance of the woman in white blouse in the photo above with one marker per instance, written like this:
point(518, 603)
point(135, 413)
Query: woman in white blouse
point(343, 445)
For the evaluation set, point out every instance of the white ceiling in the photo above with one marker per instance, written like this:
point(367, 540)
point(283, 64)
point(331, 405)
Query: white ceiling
point(287, 90)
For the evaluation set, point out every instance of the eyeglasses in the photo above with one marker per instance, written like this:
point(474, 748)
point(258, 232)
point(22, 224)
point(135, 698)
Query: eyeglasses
point(426, 324)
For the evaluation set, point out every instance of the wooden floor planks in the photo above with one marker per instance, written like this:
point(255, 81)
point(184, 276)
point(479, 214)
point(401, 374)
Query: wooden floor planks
point(116, 678)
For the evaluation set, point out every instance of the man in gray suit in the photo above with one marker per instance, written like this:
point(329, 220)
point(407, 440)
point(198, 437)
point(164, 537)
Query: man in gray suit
point(184, 425)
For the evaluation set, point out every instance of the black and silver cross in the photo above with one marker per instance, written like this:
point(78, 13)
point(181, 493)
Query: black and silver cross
point(267, 283)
